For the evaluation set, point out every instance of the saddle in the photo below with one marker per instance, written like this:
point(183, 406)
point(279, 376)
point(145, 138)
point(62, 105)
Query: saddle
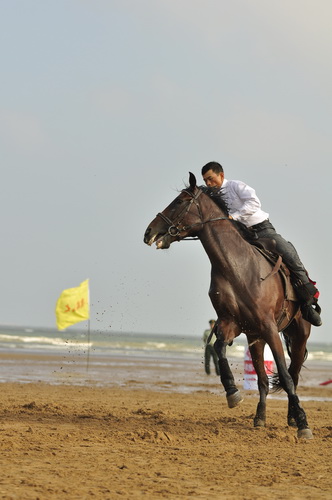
point(278, 267)
point(288, 312)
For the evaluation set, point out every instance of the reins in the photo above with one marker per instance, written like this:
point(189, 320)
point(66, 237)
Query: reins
point(174, 227)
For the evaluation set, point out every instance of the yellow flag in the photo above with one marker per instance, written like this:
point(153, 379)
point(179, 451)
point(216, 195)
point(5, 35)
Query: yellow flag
point(73, 306)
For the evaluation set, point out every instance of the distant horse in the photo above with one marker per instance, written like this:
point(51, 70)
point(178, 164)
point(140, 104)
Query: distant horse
point(248, 293)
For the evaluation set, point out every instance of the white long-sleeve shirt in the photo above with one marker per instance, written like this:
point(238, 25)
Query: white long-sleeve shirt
point(242, 202)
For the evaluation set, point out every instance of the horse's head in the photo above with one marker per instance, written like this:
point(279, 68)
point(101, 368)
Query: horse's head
point(180, 219)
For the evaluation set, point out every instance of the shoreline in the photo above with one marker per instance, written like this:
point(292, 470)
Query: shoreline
point(167, 374)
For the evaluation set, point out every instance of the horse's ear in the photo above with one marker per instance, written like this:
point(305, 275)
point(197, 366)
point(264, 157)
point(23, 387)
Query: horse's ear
point(192, 180)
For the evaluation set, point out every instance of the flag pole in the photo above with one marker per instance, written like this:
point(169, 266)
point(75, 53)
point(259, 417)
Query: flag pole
point(88, 352)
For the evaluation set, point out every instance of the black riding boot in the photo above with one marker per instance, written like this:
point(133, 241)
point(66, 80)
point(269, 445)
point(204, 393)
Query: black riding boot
point(309, 306)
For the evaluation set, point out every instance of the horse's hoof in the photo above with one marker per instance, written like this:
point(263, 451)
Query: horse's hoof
point(234, 399)
point(258, 422)
point(305, 434)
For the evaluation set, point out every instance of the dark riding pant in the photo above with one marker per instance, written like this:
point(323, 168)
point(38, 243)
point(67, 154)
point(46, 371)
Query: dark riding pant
point(284, 248)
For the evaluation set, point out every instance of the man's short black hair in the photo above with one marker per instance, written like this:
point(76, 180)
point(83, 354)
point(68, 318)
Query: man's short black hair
point(214, 166)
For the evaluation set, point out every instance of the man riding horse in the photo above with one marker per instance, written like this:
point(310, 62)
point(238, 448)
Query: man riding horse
point(245, 207)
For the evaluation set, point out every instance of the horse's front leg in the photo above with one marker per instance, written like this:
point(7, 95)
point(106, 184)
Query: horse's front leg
point(233, 395)
point(257, 354)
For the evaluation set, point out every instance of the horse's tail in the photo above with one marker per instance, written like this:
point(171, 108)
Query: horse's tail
point(275, 380)
point(275, 383)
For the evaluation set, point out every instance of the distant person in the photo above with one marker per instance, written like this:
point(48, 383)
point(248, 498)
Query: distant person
point(209, 349)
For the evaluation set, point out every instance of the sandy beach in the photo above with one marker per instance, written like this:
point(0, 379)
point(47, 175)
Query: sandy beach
point(133, 440)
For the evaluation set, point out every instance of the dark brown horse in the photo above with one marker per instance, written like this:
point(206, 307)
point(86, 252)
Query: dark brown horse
point(248, 294)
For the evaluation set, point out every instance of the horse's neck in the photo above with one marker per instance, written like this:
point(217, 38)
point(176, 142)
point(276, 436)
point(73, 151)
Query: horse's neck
point(222, 241)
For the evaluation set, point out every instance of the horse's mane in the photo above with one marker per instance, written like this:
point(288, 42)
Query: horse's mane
point(221, 204)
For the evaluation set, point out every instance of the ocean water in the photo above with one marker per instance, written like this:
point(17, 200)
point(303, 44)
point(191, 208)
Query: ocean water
point(52, 341)
point(157, 362)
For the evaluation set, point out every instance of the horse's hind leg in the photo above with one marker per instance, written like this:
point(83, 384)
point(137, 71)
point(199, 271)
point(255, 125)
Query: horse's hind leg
point(233, 395)
point(288, 385)
point(296, 336)
point(257, 355)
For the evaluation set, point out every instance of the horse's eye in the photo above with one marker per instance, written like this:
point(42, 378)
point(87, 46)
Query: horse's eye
point(178, 202)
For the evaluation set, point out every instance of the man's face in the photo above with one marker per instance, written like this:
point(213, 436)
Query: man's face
point(212, 179)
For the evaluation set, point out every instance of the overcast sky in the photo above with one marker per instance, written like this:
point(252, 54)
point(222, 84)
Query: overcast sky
point(107, 105)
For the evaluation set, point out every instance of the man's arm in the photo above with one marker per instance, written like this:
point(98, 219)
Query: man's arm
point(250, 201)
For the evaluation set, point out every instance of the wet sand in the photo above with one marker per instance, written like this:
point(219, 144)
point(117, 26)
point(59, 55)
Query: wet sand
point(127, 440)
point(170, 374)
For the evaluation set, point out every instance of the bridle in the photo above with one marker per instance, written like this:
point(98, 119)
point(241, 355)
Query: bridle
point(175, 228)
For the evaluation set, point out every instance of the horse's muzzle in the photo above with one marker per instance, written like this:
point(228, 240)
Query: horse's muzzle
point(147, 237)
point(161, 240)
